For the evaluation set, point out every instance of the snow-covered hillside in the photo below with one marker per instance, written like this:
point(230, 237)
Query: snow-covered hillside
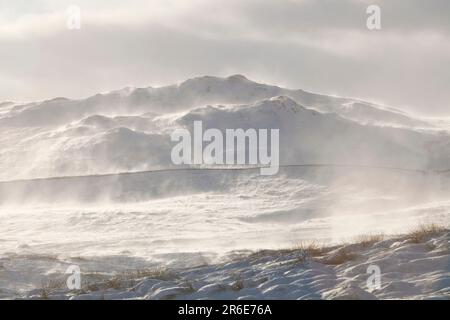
point(91, 182)
point(193, 93)
point(414, 267)
point(129, 129)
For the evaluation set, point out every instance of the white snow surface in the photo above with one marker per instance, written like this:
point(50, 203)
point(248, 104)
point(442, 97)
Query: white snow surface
point(382, 175)
point(410, 271)
point(129, 130)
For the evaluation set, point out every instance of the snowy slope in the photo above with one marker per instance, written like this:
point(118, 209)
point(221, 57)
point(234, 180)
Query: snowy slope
point(193, 93)
point(380, 178)
point(129, 129)
point(307, 136)
point(409, 270)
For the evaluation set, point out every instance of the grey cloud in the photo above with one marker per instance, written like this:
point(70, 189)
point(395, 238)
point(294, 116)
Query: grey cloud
point(402, 70)
point(313, 15)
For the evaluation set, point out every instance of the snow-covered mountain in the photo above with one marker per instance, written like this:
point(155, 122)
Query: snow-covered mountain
point(129, 129)
point(193, 93)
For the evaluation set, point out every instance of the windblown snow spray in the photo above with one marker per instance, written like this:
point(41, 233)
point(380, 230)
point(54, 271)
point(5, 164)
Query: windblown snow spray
point(234, 150)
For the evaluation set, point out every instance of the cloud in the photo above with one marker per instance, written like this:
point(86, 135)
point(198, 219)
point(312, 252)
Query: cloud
point(320, 45)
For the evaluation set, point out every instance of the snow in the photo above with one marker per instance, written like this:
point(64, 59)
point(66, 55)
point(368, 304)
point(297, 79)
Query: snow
point(368, 169)
point(225, 213)
point(409, 271)
point(98, 144)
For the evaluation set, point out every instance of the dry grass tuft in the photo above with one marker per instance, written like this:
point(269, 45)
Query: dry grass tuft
point(117, 282)
point(342, 256)
point(424, 231)
point(157, 273)
point(44, 294)
point(312, 249)
point(263, 253)
point(237, 285)
point(51, 286)
point(99, 282)
point(369, 239)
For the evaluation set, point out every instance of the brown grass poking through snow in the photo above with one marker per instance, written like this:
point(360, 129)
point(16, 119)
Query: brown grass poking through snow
point(237, 285)
point(369, 239)
point(332, 255)
point(419, 234)
point(157, 273)
point(50, 286)
point(312, 249)
point(101, 282)
point(342, 256)
point(44, 294)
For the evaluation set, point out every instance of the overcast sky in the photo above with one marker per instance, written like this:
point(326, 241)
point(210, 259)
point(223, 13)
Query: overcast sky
point(317, 45)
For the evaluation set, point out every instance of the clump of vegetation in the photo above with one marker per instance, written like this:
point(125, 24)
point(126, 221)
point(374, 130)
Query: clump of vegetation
point(116, 283)
point(312, 249)
point(369, 239)
point(51, 286)
point(127, 279)
point(44, 294)
point(93, 281)
point(424, 231)
point(341, 256)
point(157, 273)
point(237, 285)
